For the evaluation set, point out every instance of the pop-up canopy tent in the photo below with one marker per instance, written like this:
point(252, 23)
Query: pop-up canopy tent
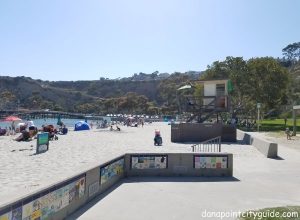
point(81, 126)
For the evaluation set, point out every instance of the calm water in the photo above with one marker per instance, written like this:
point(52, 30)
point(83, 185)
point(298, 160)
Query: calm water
point(40, 122)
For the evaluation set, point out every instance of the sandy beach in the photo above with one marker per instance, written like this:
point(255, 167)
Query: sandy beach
point(22, 171)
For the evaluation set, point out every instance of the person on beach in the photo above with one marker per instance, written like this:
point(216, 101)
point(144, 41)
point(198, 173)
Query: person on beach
point(29, 124)
point(288, 134)
point(63, 130)
point(3, 131)
point(143, 122)
point(13, 128)
point(27, 135)
point(157, 138)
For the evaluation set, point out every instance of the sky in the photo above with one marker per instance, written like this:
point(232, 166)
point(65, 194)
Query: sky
point(88, 39)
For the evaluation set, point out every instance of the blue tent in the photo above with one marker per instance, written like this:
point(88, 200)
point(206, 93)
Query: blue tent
point(81, 125)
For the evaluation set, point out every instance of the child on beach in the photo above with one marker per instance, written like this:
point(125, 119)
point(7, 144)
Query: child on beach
point(157, 138)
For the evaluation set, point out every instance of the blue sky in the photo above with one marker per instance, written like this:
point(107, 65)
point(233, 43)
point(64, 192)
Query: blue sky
point(89, 39)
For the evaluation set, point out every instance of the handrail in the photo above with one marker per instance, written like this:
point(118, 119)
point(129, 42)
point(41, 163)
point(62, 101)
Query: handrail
point(210, 145)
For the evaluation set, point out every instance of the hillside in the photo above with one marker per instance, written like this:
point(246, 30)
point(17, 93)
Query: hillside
point(98, 96)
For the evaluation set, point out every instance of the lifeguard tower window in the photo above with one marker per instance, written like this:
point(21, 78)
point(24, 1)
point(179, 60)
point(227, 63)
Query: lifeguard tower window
point(220, 89)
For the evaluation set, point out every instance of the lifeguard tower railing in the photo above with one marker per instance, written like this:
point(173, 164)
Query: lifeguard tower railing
point(208, 103)
point(206, 106)
point(211, 145)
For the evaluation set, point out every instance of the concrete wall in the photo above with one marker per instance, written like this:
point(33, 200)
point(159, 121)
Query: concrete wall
point(176, 164)
point(267, 148)
point(17, 207)
point(180, 164)
point(196, 132)
point(243, 136)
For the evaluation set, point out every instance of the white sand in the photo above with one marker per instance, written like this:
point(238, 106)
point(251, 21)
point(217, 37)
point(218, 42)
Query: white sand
point(22, 172)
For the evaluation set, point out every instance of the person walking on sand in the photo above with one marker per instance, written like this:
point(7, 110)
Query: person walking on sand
point(13, 128)
point(288, 134)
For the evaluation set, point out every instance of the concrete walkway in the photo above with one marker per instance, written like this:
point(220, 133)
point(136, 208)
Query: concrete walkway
point(258, 183)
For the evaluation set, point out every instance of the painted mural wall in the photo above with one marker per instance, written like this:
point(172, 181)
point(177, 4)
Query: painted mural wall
point(111, 170)
point(149, 162)
point(210, 162)
point(43, 207)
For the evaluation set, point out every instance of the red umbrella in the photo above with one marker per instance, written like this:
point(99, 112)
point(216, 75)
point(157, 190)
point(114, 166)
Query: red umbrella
point(12, 118)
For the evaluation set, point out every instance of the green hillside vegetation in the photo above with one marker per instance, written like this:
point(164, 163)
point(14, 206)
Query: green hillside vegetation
point(99, 96)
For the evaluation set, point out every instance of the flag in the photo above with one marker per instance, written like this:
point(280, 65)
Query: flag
point(229, 86)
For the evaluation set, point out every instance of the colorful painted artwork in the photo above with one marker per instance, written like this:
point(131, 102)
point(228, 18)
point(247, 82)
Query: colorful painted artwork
point(43, 207)
point(149, 162)
point(210, 162)
point(17, 214)
point(46, 204)
point(111, 170)
point(65, 196)
point(27, 211)
point(6, 216)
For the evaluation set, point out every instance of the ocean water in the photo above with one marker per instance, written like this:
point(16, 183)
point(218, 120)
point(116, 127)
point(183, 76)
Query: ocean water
point(39, 122)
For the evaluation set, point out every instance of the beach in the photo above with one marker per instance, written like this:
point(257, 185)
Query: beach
point(23, 172)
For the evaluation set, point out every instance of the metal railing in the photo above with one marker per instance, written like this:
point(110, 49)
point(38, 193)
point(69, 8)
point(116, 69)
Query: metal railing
point(211, 145)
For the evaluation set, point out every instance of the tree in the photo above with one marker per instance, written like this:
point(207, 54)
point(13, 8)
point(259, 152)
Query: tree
point(218, 70)
point(269, 81)
point(168, 89)
point(292, 51)
point(261, 80)
point(235, 69)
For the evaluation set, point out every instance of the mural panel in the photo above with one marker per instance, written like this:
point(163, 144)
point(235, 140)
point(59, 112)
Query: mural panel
point(210, 162)
point(149, 162)
point(111, 170)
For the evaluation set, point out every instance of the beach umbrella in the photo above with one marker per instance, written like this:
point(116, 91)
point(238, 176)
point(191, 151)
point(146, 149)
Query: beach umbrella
point(12, 118)
point(185, 87)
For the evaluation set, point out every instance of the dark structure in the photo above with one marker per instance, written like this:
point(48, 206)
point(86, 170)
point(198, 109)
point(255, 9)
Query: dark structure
point(197, 132)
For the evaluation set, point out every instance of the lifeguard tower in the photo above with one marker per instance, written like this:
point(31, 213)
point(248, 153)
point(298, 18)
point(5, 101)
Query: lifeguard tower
point(214, 101)
point(203, 113)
